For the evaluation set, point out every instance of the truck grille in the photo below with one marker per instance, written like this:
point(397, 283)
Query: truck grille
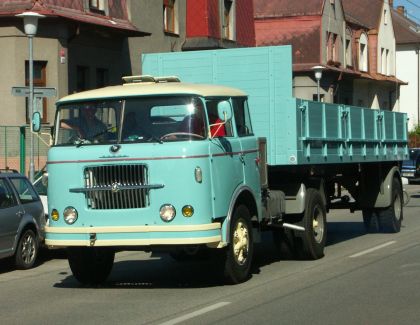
point(116, 187)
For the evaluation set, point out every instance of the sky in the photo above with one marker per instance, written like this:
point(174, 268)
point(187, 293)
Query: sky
point(412, 7)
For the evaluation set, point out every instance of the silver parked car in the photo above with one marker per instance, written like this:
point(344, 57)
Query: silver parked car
point(22, 219)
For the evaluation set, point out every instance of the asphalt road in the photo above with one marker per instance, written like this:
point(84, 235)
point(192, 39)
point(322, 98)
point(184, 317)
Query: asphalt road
point(363, 279)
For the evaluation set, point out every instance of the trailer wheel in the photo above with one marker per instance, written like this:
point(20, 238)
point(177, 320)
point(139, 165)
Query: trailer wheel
point(370, 220)
point(90, 265)
point(315, 223)
point(238, 254)
point(390, 218)
point(285, 242)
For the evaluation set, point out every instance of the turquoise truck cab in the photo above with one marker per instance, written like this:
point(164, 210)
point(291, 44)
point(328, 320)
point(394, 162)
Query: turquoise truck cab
point(151, 162)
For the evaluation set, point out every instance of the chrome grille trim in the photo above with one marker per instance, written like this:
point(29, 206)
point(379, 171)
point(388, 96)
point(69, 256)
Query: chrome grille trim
point(116, 187)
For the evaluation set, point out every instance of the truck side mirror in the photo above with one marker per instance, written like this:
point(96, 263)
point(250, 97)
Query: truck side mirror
point(224, 110)
point(36, 122)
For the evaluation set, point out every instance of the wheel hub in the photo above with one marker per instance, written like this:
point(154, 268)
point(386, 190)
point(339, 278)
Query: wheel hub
point(28, 249)
point(240, 242)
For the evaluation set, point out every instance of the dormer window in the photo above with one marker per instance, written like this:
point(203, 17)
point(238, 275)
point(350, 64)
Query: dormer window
point(363, 53)
point(170, 16)
point(97, 6)
point(228, 19)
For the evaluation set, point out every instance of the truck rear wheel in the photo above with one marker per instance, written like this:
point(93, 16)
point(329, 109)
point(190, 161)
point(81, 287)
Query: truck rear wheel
point(238, 254)
point(370, 220)
point(90, 265)
point(390, 219)
point(315, 223)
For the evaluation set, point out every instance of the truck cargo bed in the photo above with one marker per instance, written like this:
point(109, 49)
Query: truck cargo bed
point(297, 131)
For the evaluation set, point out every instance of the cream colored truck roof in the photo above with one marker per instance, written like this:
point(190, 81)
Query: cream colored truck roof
point(153, 89)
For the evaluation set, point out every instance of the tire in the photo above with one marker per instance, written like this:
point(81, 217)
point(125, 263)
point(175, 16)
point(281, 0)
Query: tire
point(90, 265)
point(285, 242)
point(370, 220)
point(239, 253)
point(390, 219)
point(27, 250)
point(315, 223)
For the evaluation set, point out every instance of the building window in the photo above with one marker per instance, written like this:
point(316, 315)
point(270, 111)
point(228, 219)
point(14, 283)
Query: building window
point(385, 17)
point(387, 60)
point(102, 78)
point(82, 75)
point(363, 53)
point(98, 6)
point(348, 53)
point(170, 16)
point(228, 19)
point(333, 47)
point(332, 2)
point(40, 80)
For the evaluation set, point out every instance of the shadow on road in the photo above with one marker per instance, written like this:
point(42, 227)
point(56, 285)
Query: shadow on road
point(161, 271)
point(45, 255)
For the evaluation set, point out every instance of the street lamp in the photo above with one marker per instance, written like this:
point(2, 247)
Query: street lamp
point(318, 75)
point(30, 22)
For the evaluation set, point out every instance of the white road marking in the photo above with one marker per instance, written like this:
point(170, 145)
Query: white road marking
point(195, 313)
point(370, 250)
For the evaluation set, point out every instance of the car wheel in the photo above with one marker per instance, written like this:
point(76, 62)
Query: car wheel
point(90, 265)
point(27, 250)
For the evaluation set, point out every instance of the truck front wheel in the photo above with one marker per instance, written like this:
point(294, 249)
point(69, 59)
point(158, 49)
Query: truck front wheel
point(238, 255)
point(90, 265)
point(315, 224)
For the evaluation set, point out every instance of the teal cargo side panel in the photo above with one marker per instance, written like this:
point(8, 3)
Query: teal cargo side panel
point(264, 73)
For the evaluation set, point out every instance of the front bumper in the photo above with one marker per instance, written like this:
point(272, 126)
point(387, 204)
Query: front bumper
point(209, 234)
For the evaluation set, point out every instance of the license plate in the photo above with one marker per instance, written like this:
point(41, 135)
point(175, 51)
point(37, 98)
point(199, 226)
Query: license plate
point(408, 174)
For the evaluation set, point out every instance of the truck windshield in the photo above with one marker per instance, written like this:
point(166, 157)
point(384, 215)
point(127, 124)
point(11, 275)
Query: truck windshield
point(137, 119)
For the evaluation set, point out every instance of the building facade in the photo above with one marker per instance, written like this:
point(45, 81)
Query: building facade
point(407, 35)
point(355, 46)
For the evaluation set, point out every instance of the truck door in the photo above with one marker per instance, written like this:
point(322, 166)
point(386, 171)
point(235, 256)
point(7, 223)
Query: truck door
point(226, 161)
point(249, 145)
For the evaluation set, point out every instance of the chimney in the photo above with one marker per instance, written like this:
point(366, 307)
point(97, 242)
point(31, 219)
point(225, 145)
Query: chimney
point(401, 10)
point(391, 3)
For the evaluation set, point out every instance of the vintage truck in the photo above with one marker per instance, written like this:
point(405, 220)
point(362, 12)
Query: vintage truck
point(210, 162)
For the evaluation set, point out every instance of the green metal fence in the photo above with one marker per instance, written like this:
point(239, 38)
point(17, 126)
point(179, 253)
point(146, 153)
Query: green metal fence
point(15, 148)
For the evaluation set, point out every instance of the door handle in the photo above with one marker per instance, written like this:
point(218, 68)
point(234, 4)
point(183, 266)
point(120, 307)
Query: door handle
point(19, 213)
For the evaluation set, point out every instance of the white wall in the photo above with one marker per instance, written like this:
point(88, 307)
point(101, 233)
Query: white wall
point(386, 40)
point(408, 70)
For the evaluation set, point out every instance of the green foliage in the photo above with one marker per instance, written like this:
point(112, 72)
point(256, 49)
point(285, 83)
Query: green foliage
point(415, 130)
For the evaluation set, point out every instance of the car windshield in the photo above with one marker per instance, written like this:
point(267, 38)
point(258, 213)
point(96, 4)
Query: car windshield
point(138, 119)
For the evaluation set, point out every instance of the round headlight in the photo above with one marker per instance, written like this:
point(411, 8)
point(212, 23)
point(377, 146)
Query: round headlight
point(54, 215)
point(187, 211)
point(70, 215)
point(167, 212)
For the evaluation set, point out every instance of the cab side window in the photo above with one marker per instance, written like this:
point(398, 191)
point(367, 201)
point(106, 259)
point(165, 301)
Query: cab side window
point(242, 118)
point(7, 199)
point(25, 191)
point(217, 127)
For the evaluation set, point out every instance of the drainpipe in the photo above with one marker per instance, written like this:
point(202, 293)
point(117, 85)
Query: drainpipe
point(418, 87)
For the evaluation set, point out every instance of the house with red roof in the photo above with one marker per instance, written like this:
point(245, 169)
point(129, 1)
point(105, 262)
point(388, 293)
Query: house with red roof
point(353, 41)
